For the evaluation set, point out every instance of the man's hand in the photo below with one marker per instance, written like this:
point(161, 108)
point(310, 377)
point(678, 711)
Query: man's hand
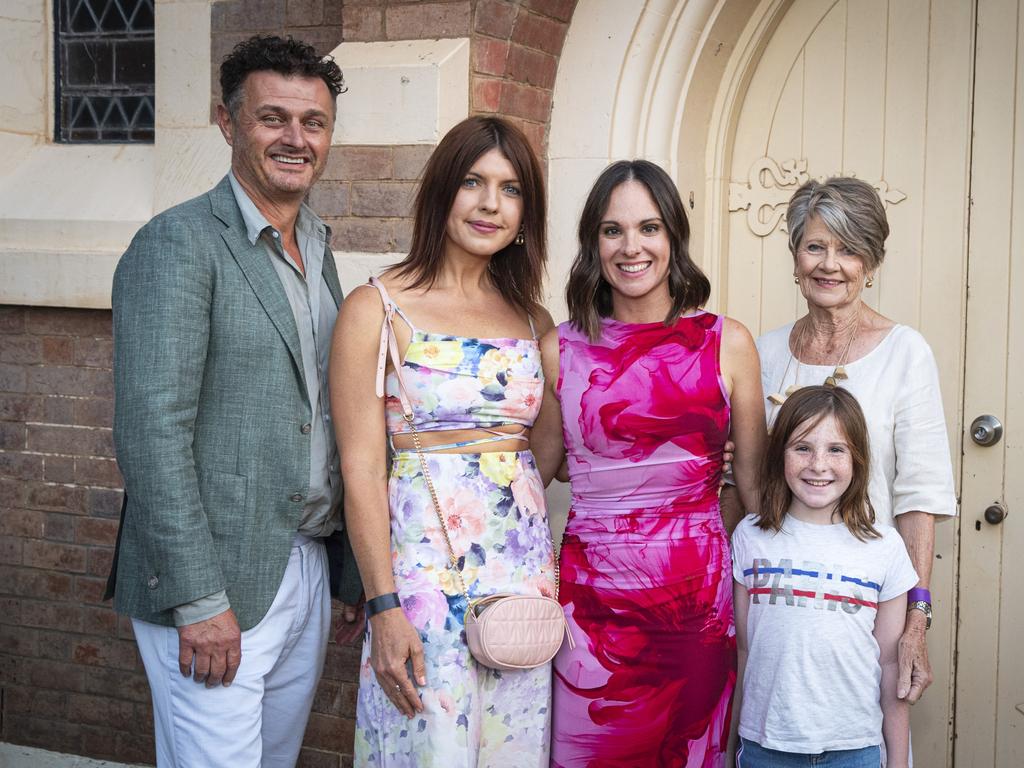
point(352, 624)
point(915, 669)
point(212, 649)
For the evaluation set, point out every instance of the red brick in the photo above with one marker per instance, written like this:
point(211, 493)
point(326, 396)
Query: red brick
point(59, 469)
point(29, 701)
point(104, 503)
point(363, 234)
point(410, 160)
point(45, 615)
point(12, 438)
point(55, 645)
point(136, 747)
point(526, 65)
point(330, 199)
point(13, 378)
point(427, 20)
point(388, 199)
point(69, 322)
point(94, 412)
point(360, 24)
point(58, 350)
point(29, 583)
point(105, 652)
point(323, 38)
point(247, 16)
point(539, 32)
point(59, 527)
point(496, 18)
point(20, 407)
point(22, 466)
point(332, 734)
point(100, 710)
point(11, 550)
point(556, 9)
point(490, 56)
point(91, 530)
point(55, 498)
point(51, 675)
point(99, 620)
point(89, 589)
point(358, 163)
point(342, 663)
point(26, 523)
point(53, 735)
point(71, 441)
point(89, 471)
point(55, 556)
point(58, 409)
point(116, 683)
point(522, 101)
point(314, 758)
point(69, 380)
point(486, 94)
point(21, 349)
point(18, 641)
point(328, 698)
point(304, 13)
point(94, 353)
point(99, 561)
point(12, 320)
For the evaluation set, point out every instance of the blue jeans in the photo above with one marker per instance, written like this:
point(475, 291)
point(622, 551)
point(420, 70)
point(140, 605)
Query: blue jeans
point(753, 755)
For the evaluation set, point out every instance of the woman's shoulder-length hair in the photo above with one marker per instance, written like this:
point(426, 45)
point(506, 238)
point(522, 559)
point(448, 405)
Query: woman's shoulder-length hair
point(588, 294)
point(517, 270)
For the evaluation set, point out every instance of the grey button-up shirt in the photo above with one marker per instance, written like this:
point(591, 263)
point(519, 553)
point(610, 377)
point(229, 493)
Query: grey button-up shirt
point(315, 312)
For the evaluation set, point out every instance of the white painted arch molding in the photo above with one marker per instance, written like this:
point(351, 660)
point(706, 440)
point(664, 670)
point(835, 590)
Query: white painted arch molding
point(659, 80)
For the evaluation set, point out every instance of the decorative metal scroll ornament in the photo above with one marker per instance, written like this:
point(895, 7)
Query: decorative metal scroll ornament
point(768, 189)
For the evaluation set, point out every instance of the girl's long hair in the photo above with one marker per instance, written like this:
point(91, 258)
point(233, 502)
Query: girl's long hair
point(588, 294)
point(802, 412)
point(517, 271)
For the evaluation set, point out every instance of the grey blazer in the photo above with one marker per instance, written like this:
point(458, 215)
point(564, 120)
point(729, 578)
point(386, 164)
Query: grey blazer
point(209, 406)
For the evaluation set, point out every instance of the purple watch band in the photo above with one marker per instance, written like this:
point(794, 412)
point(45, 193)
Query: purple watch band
point(919, 594)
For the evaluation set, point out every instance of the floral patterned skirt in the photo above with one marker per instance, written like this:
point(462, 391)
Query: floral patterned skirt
point(473, 717)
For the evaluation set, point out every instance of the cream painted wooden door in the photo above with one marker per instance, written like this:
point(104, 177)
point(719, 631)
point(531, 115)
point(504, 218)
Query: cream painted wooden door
point(881, 90)
point(990, 671)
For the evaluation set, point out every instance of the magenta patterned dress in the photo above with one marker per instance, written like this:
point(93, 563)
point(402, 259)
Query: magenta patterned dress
point(646, 580)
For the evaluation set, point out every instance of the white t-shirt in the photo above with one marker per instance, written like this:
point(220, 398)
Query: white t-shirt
point(897, 386)
point(812, 680)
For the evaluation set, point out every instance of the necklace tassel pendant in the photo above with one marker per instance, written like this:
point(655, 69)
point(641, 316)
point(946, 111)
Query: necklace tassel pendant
point(776, 399)
point(830, 381)
point(840, 373)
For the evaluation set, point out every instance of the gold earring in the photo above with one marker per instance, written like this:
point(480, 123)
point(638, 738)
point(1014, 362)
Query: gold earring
point(870, 282)
point(521, 238)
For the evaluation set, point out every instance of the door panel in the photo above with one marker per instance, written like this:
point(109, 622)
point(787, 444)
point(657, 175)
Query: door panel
point(879, 89)
point(990, 675)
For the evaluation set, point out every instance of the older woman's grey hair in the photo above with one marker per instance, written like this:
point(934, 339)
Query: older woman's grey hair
point(850, 208)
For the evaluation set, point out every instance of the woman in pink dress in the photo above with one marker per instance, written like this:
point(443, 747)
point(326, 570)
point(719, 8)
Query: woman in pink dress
point(645, 388)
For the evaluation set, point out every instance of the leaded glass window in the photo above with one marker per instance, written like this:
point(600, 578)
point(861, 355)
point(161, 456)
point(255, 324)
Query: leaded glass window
point(104, 57)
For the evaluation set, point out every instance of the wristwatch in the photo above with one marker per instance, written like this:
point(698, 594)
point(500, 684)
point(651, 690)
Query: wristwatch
point(925, 608)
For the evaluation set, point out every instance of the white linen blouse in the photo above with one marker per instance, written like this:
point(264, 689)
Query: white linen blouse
point(897, 386)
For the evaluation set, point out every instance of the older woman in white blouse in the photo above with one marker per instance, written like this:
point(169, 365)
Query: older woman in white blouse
point(837, 232)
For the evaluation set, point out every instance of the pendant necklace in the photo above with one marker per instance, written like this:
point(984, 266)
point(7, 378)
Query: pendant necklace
point(838, 372)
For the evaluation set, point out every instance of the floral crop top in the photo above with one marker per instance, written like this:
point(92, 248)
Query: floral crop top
point(454, 382)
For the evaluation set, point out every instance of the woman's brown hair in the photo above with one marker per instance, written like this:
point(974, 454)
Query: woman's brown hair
point(517, 271)
point(802, 412)
point(588, 294)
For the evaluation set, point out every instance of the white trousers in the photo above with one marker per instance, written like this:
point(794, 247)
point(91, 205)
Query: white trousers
point(259, 720)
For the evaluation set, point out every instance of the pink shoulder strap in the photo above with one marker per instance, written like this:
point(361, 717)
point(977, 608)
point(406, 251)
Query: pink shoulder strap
point(389, 345)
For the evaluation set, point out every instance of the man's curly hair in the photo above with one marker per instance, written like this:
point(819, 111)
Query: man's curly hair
point(286, 56)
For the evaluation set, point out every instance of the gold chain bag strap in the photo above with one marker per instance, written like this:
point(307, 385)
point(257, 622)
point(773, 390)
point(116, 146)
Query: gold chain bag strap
point(504, 631)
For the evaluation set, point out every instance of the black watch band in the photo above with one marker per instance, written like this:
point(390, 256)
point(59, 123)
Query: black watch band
point(382, 603)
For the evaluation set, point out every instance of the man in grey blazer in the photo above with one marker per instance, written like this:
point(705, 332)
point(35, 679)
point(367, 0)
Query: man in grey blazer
point(223, 313)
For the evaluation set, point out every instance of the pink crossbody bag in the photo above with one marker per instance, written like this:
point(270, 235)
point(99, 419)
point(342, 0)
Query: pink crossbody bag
point(504, 631)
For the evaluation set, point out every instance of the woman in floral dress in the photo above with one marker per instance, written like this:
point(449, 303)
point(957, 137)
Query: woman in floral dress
point(644, 388)
point(449, 338)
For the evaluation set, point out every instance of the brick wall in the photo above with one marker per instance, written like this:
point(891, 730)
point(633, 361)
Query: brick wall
point(70, 677)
